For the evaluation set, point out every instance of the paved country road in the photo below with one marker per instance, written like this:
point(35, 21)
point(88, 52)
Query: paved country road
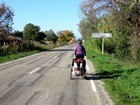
point(44, 79)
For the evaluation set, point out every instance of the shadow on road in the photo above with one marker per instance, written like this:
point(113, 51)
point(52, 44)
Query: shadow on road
point(98, 76)
point(109, 75)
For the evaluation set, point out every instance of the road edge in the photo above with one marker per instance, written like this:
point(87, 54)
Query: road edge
point(102, 93)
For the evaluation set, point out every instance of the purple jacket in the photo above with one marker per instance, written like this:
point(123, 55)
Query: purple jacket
point(80, 50)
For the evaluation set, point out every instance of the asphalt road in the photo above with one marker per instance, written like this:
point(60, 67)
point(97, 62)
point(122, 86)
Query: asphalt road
point(44, 79)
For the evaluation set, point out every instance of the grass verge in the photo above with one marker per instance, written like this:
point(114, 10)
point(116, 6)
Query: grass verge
point(40, 48)
point(122, 80)
point(16, 56)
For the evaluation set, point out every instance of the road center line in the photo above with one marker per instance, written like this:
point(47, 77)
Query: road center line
point(34, 70)
point(91, 81)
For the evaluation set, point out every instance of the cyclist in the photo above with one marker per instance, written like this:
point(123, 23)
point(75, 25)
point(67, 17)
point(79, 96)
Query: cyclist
point(80, 53)
point(80, 50)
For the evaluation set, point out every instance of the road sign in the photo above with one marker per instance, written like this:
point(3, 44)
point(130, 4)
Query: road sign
point(106, 35)
point(96, 35)
point(101, 35)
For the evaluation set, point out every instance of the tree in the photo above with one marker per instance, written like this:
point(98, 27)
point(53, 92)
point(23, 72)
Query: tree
point(127, 19)
point(51, 36)
point(65, 35)
point(40, 36)
point(88, 23)
point(68, 35)
point(31, 32)
point(61, 37)
point(134, 29)
point(18, 34)
point(87, 27)
point(6, 20)
point(122, 19)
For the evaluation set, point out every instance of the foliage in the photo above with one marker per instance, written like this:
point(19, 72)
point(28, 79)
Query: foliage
point(51, 36)
point(18, 34)
point(86, 27)
point(6, 20)
point(40, 36)
point(61, 37)
point(92, 45)
point(65, 36)
point(15, 47)
point(119, 17)
point(128, 19)
point(68, 35)
point(134, 27)
point(25, 52)
point(88, 23)
point(30, 31)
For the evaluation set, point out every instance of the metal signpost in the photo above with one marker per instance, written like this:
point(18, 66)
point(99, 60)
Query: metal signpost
point(102, 35)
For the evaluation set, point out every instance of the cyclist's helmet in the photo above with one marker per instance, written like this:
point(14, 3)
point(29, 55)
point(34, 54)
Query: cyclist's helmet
point(80, 41)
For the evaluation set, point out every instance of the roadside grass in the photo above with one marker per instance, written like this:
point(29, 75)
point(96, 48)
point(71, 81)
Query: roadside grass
point(16, 56)
point(121, 79)
point(40, 47)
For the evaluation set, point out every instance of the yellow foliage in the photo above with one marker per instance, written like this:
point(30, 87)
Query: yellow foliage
point(65, 36)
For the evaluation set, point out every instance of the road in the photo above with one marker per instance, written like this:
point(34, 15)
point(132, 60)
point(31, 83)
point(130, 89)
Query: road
point(44, 79)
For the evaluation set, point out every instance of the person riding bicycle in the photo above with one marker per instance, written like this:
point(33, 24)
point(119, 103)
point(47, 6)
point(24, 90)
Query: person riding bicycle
point(80, 53)
point(80, 50)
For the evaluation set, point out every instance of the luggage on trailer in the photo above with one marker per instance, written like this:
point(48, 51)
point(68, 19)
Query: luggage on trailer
point(78, 68)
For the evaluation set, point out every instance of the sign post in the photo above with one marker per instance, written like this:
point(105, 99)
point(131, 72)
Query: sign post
point(102, 35)
point(102, 46)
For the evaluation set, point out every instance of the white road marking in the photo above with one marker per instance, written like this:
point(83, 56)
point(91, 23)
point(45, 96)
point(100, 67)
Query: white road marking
point(55, 56)
point(92, 82)
point(34, 70)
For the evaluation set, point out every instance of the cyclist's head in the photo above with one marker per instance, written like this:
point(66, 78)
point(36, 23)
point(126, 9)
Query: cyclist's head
point(80, 41)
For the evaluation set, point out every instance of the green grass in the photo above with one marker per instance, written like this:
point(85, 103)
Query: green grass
point(16, 56)
point(122, 80)
point(41, 47)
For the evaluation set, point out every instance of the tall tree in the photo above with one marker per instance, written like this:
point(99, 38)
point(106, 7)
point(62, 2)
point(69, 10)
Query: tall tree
point(65, 35)
point(51, 36)
point(123, 20)
point(40, 36)
point(61, 37)
point(88, 23)
point(30, 31)
point(134, 29)
point(6, 20)
point(18, 34)
point(68, 35)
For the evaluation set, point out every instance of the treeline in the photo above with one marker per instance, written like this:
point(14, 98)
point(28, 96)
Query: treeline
point(119, 17)
point(31, 38)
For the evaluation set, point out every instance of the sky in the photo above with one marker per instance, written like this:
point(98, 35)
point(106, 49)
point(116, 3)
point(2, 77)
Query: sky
point(57, 15)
